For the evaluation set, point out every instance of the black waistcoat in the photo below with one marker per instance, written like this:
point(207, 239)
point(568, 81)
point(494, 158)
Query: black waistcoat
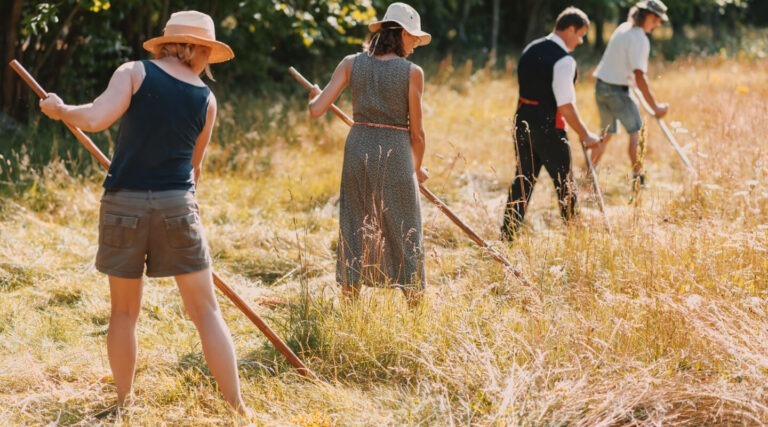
point(534, 75)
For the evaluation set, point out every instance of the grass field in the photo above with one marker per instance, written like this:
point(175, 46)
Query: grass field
point(664, 322)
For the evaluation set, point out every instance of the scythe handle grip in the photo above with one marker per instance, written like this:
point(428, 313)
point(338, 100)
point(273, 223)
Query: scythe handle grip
point(79, 134)
point(299, 78)
point(306, 83)
point(24, 74)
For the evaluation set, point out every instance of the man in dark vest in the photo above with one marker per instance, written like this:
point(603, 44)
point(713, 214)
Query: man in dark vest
point(546, 74)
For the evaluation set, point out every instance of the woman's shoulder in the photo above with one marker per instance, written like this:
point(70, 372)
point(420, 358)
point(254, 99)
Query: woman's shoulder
point(131, 70)
point(347, 63)
point(414, 68)
point(350, 59)
point(415, 73)
point(131, 67)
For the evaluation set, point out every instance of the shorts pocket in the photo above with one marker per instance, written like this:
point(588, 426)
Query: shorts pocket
point(183, 231)
point(118, 231)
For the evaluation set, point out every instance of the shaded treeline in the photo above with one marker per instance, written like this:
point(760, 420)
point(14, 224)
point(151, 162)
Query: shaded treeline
point(73, 45)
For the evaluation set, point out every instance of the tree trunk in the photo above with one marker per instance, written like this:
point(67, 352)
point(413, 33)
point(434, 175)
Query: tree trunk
point(165, 13)
point(495, 32)
point(717, 29)
point(10, 84)
point(65, 36)
point(137, 27)
point(598, 19)
point(536, 12)
point(465, 7)
point(213, 8)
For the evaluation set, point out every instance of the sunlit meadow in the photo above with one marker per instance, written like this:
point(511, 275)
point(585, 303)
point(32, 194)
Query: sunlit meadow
point(661, 322)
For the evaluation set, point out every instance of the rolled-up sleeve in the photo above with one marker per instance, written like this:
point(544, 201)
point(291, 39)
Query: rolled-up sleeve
point(562, 80)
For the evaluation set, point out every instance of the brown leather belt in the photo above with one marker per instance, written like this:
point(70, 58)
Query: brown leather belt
point(381, 125)
point(527, 101)
point(559, 119)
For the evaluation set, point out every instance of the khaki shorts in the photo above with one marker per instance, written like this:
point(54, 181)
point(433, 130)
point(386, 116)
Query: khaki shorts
point(615, 104)
point(161, 229)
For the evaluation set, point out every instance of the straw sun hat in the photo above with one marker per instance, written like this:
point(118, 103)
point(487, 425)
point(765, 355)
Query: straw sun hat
point(191, 27)
point(407, 17)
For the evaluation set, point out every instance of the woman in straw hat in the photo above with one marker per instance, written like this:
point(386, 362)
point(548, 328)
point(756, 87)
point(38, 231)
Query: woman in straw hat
point(380, 239)
point(149, 214)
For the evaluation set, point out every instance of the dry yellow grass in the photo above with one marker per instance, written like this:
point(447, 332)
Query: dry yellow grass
point(662, 323)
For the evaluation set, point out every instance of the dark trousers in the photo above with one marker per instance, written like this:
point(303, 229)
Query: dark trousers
point(537, 146)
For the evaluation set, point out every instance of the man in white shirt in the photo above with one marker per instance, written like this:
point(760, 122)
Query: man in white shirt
point(625, 62)
point(546, 74)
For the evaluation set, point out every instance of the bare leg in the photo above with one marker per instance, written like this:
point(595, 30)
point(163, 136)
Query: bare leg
point(125, 299)
point(634, 141)
point(200, 302)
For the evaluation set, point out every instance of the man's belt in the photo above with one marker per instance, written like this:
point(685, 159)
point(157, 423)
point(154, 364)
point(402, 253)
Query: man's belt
point(526, 101)
point(559, 119)
point(625, 88)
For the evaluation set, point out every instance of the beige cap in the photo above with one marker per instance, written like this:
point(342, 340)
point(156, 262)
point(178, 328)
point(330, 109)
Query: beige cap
point(191, 27)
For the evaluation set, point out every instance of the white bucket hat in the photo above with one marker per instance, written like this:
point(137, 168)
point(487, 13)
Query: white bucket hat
point(191, 27)
point(407, 17)
point(654, 6)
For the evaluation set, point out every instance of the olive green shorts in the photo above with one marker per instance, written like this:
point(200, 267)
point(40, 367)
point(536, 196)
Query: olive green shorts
point(161, 229)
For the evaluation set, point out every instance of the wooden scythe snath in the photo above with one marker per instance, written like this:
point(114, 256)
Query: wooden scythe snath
point(596, 187)
point(428, 194)
point(226, 290)
point(665, 129)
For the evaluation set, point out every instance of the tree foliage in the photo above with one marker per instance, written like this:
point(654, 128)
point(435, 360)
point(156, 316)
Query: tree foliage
point(73, 45)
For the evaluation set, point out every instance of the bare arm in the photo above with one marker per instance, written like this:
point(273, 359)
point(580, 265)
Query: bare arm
point(659, 110)
point(204, 138)
point(418, 136)
point(106, 109)
point(571, 115)
point(321, 101)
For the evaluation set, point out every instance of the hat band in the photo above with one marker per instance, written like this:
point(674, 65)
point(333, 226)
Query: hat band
point(188, 30)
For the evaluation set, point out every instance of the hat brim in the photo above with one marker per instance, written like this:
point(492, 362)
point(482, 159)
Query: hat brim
point(645, 6)
point(220, 52)
point(424, 38)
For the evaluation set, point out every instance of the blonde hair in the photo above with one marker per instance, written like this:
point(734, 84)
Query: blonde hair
point(184, 52)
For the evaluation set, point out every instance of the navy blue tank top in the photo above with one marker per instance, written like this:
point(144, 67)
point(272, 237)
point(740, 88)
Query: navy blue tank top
point(157, 134)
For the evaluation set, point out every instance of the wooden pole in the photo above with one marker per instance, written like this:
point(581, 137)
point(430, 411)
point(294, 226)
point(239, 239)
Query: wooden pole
point(596, 186)
point(226, 290)
point(426, 193)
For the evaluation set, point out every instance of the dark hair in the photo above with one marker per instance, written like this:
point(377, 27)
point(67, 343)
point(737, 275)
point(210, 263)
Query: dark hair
point(388, 38)
point(637, 16)
point(571, 17)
